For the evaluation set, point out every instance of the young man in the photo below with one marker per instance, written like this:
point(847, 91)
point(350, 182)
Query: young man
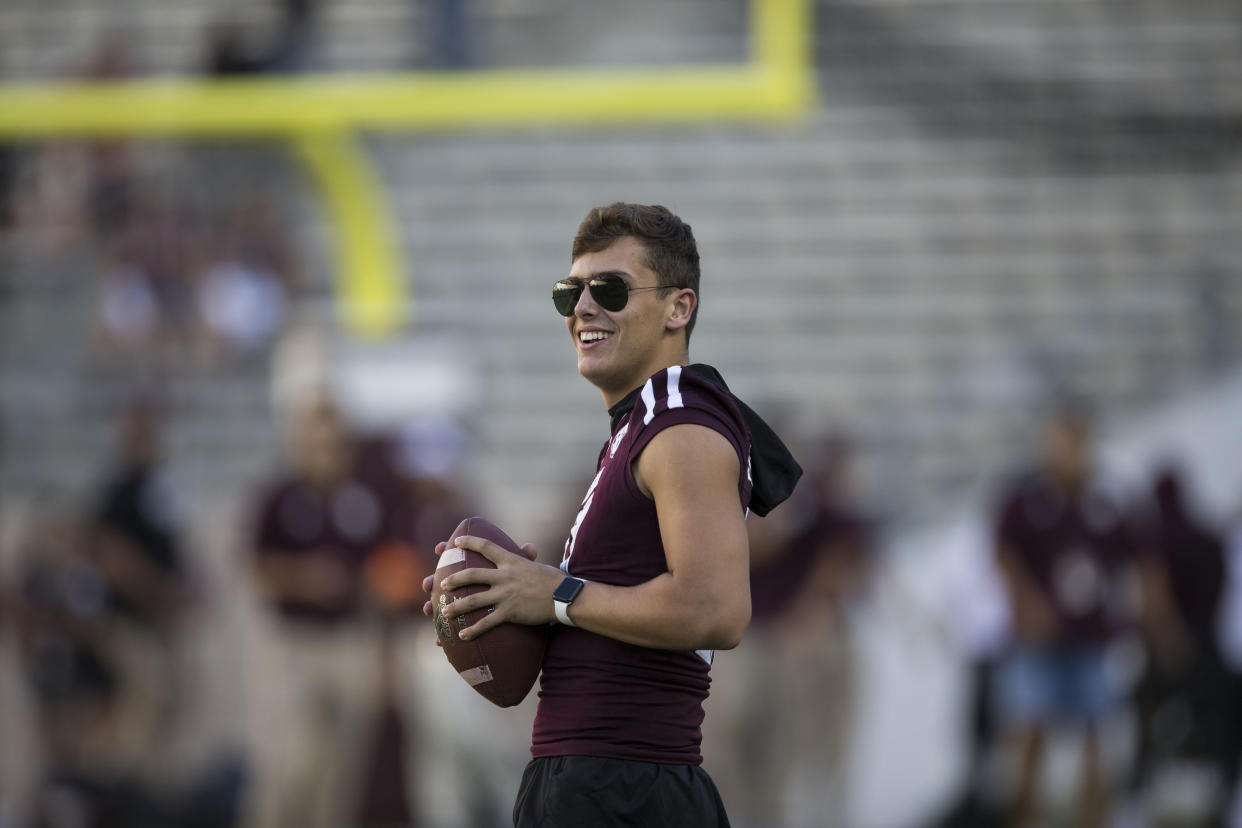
point(655, 573)
point(1063, 551)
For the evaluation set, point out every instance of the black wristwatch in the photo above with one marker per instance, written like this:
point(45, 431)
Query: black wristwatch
point(565, 594)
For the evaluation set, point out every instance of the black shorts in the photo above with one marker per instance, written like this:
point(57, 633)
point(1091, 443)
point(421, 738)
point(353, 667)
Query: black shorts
point(578, 791)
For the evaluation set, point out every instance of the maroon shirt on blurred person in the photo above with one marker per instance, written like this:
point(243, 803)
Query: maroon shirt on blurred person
point(1190, 554)
point(1072, 545)
point(298, 521)
point(835, 531)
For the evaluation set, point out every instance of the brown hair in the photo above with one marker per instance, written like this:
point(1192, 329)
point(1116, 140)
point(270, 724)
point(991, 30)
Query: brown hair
point(671, 251)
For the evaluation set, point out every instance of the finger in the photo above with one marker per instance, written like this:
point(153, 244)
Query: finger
point(440, 547)
point(474, 575)
point(467, 604)
point(427, 608)
point(481, 626)
point(493, 552)
point(428, 583)
point(528, 549)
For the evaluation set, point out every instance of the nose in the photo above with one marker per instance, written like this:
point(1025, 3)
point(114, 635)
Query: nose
point(586, 304)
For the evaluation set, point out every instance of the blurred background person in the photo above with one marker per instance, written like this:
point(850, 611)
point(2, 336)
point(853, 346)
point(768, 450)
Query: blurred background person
point(139, 526)
point(1187, 700)
point(244, 280)
point(417, 469)
point(111, 163)
point(316, 524)
point(232, 50)
point(146, 290)
point(138, 536)
point(1230, 631)
point(104, 606)
point(449, 35)
point(972, 614)
point(343, 539)
point(1063, 551)
point(785, 697)
point(106, 690)
point(90, 745)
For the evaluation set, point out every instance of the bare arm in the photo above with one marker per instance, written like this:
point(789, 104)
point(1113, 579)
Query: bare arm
point(312, 578)
point(1160, 619)
point(1034, 620)
point(702, 602)
point(135, 576)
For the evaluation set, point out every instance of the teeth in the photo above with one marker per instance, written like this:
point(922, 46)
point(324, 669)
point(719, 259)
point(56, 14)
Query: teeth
point(593, 336)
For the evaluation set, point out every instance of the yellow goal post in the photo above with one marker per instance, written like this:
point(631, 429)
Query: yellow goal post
point(318, 115)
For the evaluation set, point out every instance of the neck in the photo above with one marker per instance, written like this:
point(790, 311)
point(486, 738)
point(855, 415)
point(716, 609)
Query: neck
point(612, 396)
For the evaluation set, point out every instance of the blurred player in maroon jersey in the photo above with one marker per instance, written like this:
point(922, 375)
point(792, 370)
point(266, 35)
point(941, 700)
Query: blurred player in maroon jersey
point(317, 524)
point(788, 739)
point(1186, 701)
point(655, 572)
point(1063, 549)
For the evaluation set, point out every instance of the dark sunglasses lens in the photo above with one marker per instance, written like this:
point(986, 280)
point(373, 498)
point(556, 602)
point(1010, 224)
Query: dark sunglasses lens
point(565, 295)
point(610, 292)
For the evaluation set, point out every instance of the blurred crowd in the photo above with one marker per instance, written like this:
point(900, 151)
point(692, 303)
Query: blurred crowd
point(183, 275)
point(1111, 651)
point(95, 616)
point(105, 599)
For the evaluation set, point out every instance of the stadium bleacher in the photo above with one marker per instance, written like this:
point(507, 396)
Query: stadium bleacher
point(992, 197)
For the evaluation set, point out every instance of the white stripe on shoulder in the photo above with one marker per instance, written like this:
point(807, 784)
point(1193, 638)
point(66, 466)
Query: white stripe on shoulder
point(648, 395)
point(674, 387)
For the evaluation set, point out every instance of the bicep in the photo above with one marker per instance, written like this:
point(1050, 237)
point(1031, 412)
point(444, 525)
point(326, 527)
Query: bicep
point(692, 474)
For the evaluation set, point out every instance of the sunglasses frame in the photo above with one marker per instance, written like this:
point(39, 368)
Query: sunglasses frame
point(604, 282)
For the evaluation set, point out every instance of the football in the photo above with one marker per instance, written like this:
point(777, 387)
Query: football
point(503, 663)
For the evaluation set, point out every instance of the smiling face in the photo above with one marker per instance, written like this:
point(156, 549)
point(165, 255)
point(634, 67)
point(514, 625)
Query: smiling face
point(619, 350)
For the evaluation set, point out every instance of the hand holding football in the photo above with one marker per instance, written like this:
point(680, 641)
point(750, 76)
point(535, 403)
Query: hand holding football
point(502, 663)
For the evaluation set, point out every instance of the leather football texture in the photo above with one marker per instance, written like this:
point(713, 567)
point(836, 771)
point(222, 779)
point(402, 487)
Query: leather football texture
point(503, 663)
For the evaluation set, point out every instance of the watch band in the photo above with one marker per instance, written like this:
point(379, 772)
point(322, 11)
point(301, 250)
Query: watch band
point(562, 613)
point(565, 594)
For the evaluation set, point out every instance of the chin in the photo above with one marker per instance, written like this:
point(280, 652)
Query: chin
point(597, 374)
point(590, 370)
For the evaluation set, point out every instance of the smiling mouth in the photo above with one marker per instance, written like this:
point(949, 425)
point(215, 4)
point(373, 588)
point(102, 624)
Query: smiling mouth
point(593, 336)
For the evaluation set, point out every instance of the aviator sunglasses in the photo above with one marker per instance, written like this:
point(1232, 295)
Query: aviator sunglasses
point(608, 290)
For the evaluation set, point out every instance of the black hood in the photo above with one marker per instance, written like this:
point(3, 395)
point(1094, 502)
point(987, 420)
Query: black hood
point(773, 470)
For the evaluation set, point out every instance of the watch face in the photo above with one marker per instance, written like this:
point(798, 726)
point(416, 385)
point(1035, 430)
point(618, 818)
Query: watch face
point(568, 590)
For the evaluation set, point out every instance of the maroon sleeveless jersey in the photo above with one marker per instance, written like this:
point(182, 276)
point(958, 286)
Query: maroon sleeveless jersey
point(599, 696)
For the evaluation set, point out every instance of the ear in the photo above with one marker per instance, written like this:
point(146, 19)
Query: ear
point(681, 309)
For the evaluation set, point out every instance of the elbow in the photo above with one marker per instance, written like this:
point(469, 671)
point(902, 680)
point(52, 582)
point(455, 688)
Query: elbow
point(726, 628)
point(733, 634)
point(726, 640)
